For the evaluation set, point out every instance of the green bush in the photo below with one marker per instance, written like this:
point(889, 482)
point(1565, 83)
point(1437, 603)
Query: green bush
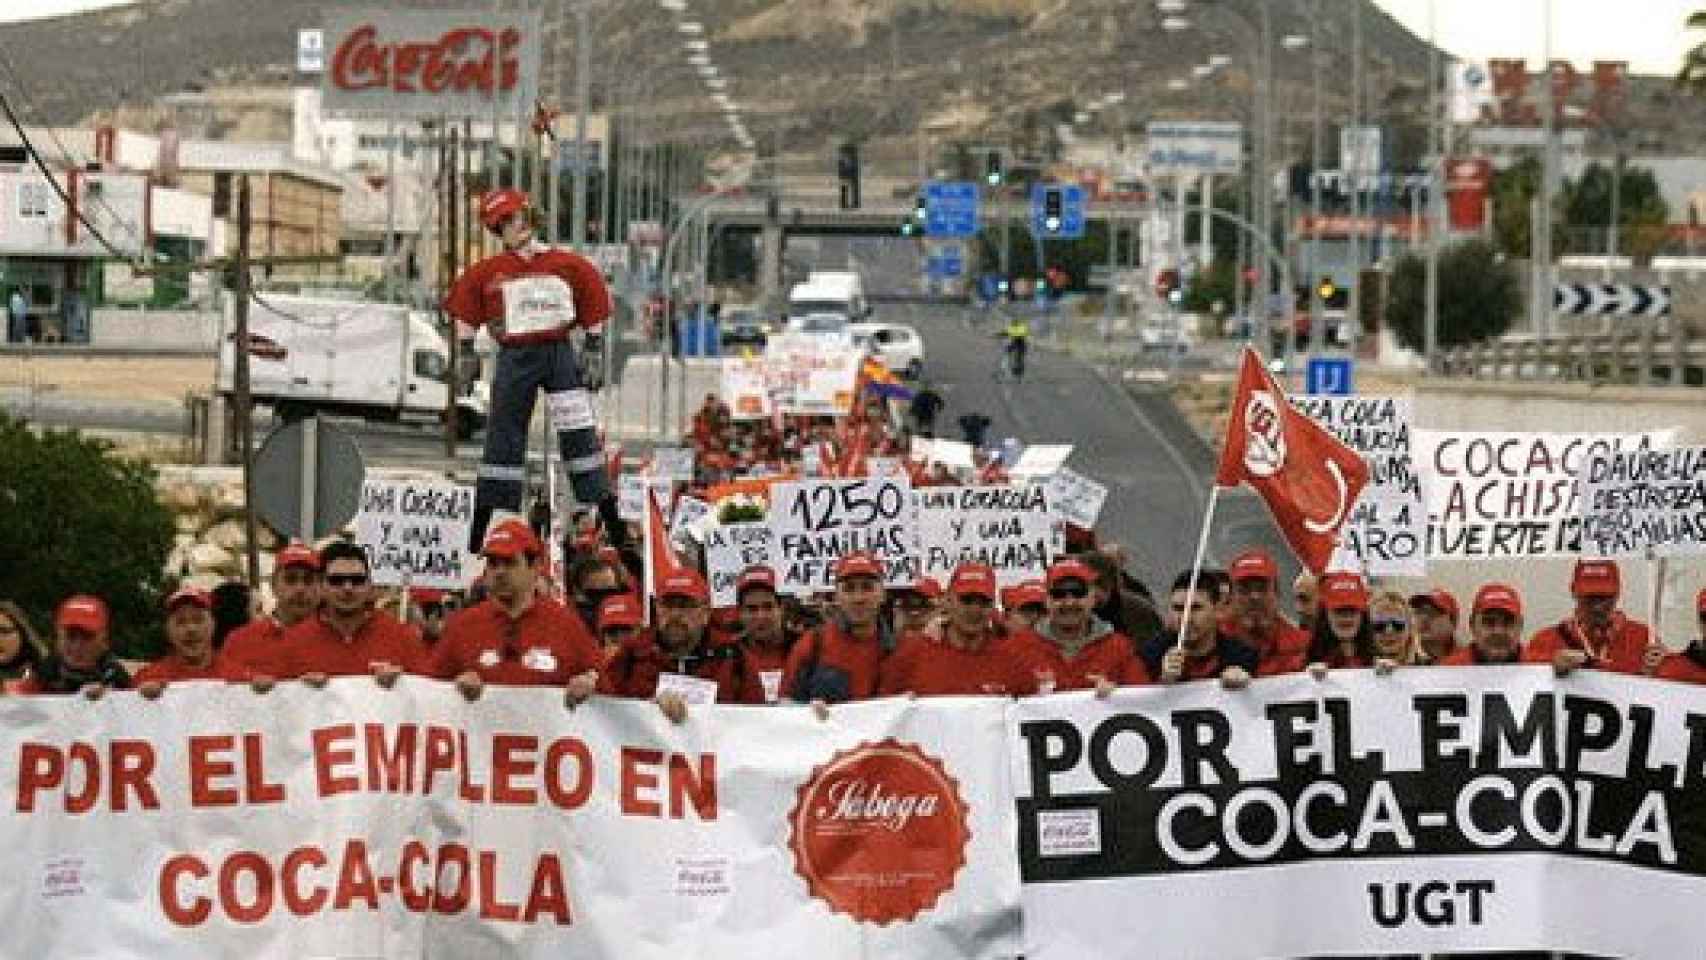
point(1479, 296)
point(78, 519)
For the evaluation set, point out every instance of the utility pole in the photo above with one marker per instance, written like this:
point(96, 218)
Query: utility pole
point(1352, 168)
point(240, 382)
point(1317, 150)
point(448, 163)
point(1541, 253)
point(1436, 187)
point(583, 103)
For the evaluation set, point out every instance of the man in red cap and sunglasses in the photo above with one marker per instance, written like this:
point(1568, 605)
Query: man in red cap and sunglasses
point(1071, 648)
point(536, 302)
point(516, 637)
point(970, 656)
point(1598, 635)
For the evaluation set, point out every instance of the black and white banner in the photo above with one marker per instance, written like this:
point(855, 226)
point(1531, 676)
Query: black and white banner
point(1434, 810)
point(1645, 500)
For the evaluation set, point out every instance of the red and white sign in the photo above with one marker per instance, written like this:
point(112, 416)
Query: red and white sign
point(430, 63)
point(1468, 182)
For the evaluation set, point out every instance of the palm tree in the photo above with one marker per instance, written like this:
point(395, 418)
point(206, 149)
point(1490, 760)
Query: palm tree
point(1693, 72)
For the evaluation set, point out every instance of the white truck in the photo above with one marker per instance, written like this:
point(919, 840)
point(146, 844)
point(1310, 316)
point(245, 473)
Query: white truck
point(377, 361)
point(830, 291)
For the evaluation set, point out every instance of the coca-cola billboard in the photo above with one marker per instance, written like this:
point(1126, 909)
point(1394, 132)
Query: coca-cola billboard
point(430, 63)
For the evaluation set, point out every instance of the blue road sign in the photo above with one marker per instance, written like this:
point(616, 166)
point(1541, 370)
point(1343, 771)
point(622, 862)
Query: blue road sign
point(1072, 202)
point(944, 264)
point(950, 208)
point(1328, 375)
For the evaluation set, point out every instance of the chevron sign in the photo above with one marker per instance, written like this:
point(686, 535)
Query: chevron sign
point(1611, 299)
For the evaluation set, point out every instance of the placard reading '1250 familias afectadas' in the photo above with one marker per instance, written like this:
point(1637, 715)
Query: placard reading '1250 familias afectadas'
point(818, 521)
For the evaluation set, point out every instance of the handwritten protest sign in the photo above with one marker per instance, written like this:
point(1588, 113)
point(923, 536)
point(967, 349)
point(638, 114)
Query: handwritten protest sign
point(811, 373)
point(732, 547)
point(818, 521)
point(744, 388)
point(1075, 498)
point(1641, 500)
point(1041, 459)
point(1386, 532)
point(675, 463)
point(1510, 494)
point(631, 494)
point(416, 531)
point(1009, 528)
point(689, 519)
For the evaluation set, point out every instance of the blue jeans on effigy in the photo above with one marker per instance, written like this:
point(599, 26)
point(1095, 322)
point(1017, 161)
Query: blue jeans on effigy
point(523, 371)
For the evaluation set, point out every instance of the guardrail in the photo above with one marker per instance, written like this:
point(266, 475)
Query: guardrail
point(1636, 358)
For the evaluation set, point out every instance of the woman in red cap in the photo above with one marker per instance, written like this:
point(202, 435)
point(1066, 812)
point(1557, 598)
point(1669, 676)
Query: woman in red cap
point(535, 300)
point(1342, 638)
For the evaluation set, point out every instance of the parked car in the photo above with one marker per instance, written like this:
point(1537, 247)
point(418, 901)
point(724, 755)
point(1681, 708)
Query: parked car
point(744, 327)
point(899, 347)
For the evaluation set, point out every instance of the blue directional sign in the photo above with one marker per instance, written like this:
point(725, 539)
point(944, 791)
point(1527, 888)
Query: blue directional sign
point(945, 264)
point(950, 208)
point(1071, 210)
point(1328, 375)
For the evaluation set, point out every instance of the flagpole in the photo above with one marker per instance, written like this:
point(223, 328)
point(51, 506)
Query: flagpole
point(1655, 597)
point(1196, 565)
point(648, 587)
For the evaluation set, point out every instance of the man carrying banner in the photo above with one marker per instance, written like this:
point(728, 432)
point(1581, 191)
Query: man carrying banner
point(969, 657)
point(82, 660)
point(516, 636)
point(1435, 615)
point(1495, 629)
point(1071, 649)
point(296, 597)
point(1598, 635)
point(840, 659)
point(764, 638)
point(349, 637)
point(189, 644)
point(1257, 623)
point(684, 654)
point(1688, 666)
point(1207, 651)
point(535, 300)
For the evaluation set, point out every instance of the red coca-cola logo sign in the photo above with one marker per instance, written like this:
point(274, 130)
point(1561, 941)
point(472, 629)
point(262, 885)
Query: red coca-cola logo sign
point(879, 832)
point(459, 61)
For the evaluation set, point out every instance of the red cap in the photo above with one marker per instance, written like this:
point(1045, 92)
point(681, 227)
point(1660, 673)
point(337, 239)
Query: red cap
point(928, 587)
point(1439, 598)
point(511, 538)
point(84, 611)
point(1596, 578)
point(1024, 594)
point(620, 610)
point(426, 595)
point(499, 205)
point(1070, 568)
point(1340, 591)
point(685, 583)
point(297, 554)
point(858, 565)
point(755, 578)
point(1497, 596)
point(1252, 565)
point(973, 580)
point(200, 598)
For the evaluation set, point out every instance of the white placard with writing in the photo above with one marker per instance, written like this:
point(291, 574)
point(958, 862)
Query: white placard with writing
point(730, 548)
point(631, 494)
point(416, 532)
point(1075, 498)
point(818, 521)
point(1386, 531)
point(1011, 528)
point(1639, 501)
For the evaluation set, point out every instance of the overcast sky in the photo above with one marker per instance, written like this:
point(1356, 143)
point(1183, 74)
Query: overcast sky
point(1647, 33)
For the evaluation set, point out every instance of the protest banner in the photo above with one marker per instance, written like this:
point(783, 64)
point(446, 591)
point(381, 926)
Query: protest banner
point(631, 494)
point(1010, 528)
point(1638, 501)
point(675, 463)
point(1386, 532)
point(1075, 498)
point(732, 547)
point(950, 453)
point(744, 388)
point(415, 531)
point(1438, 810)
point(818, 521)
point(689, 520)
point(355, 822)
point(811, 374)
point(1510, 494)
point(1041, 459)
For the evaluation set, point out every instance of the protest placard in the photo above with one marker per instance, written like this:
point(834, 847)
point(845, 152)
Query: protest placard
point(951, 453)
point(818, 521)
point(688, 520)
point(415, 531)
point(1510, 494)
point(1645, 500)
point(744, 388)
point(812, 374)
point(631, 494)
point(1075, 498)
point(1010, 528)
point(675, 463)
point(1385, 533)
point(732, 547)
point(1041, 459)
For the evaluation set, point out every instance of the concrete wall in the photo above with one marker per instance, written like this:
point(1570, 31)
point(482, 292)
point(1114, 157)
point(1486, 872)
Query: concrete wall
point(1544, 582)
point(115, 329)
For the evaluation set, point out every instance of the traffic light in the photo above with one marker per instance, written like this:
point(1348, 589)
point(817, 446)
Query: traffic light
point(1327, 289)
point(847, 168)
point(1053, 217)
point(992, 168)
point(915, 223)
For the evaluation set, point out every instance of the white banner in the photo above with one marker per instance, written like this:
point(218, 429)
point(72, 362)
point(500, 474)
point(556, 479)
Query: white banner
point(1075, 498)
point(744, 388)
point(1432, 811)
point(811, 373)
point(1637, 501)
point(1509, 494)
point(631, 494)
point(352, 822)
point(1041, 459)
point(1386, 532)
point(1009, 528)
point(416, 531)
point(732, 547)
point(818, 521)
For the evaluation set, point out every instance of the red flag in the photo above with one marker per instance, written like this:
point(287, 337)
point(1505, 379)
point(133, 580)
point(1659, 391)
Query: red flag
point(661, 560)
point(1308, 478)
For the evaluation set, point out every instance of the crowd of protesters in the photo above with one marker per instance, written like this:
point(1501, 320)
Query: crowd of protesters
point(1083, 623)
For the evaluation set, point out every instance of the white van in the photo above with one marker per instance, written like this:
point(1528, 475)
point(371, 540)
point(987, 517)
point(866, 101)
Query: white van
point(830, 292)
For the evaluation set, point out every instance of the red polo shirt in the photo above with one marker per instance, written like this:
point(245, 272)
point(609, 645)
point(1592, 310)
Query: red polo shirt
point(1284, 648)
point(251, 640)
point(929, 666)
point(172, 668)
point(544, 647)
point(314, 646)
point(1111, 656)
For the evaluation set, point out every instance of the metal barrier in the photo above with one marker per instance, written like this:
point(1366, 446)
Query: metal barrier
point(1635, 358)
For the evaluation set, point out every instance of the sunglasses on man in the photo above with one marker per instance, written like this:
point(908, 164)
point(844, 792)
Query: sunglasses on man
point(346, 579)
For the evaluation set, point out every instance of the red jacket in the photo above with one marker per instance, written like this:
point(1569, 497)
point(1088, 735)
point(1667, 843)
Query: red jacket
point(929, 666)
point(477, 296)
point(253, 639)
point(1689, 666)
point(172, 668)
point(634, 670)
point(1620, 651)
point(1110, 655)
point(544, 647)
point(831, 665)
point(1284, 648)
point(313, 646)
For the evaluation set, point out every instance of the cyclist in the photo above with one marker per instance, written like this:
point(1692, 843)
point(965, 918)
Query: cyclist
point(1018, 335)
